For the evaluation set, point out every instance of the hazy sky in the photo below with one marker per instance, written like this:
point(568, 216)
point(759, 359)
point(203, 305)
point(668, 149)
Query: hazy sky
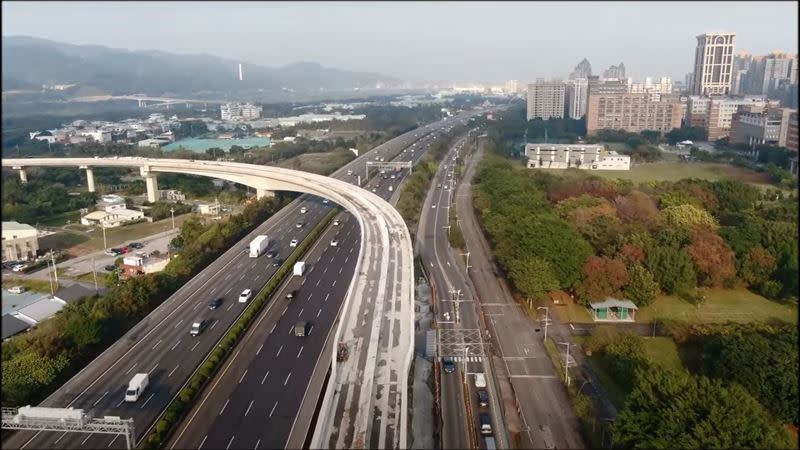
point(432, 41)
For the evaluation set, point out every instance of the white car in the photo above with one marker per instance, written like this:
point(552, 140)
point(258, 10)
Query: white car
point(245, 296)
point(336, 222)
point(433, 206)
point(334, 243)
point(293, 243)
point(19, 268)
point(298, 225)
point(325, 201)
point(303, 210)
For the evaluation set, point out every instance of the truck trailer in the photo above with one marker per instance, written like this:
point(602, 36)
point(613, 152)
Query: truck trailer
point(258, 246)
point(299, 268)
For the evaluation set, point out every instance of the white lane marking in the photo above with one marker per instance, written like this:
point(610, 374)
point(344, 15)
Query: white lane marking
point(56, 442)
point(298, 353)
point(195, 346)
point(173, 370)
point(340, 270)
point(195, 306)
point(334, 283)
point(132, 367)
point(230, 442)
point(229, 307)
point(176, 344)
point(120, 402)
point(325, 271)
point(301, 312)
point(279, 351)
point(87, 438)
point(178, 324)
point(284, 311)
point(242, 378)
point(228, 291)
point(154, 368)
point(98, 400)
point(248, 408)
point(148, 399)
point(326, 297)
point(253, 266)
point(265, 377)
point(223, 407)
point(112, 441)
point(346, 259)
point(319, 312)
point(203, 442)
point(273, 328)
point(287, 378)
point(273, 408)
point(318, 282)
point(256, 447)
point(228, 277)
point(291, 327)
point(214, 324)
point(242, 277)
point(304, 282)
point(259, 349)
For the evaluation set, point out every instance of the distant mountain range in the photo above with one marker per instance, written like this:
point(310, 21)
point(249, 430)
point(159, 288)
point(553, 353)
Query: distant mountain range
point(29, 63)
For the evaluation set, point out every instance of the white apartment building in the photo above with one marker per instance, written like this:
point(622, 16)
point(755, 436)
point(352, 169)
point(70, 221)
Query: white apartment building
point(240, 111)
point(722, 109)
point(577, 91)
point(546, 99)
point(661, 86)
point(713, 64)
point(579, 156)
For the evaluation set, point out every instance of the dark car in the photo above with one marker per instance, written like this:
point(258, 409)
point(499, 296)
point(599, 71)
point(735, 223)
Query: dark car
point(116, 251)
point(271, 254)
point(483, 397)
point(448, 365)
point(277, 262)
point(216, 303)
point(110, 268)
point(136, 245)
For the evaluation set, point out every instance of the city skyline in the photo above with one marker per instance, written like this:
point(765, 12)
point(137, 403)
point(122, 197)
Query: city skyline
point(416, 42)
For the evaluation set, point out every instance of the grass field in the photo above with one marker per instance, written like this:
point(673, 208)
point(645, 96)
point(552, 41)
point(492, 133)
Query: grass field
point(62, 240)
point(673, 171)
point(120, 235)
point(722, 305)
point(319, 163)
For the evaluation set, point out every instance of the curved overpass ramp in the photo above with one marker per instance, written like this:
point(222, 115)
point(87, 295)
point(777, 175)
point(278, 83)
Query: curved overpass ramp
point(384, 272)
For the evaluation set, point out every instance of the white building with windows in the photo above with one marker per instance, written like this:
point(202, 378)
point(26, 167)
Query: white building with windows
point(20, 242)
point(579, 156)
point(713, 64)
point(577, 91)
point(240, 111)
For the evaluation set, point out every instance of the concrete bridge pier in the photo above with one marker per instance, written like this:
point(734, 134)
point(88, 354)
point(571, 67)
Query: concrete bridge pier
point(89, 178)
point(151, 182)
point(261, 193)
point(23, 176)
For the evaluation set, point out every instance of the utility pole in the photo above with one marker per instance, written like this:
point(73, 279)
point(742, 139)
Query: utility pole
point(103, 226)
point(50, 279)
point(466, 267)
point(94, 274)
point(546, 319)
point(172, 213)
point(55, 271)
point(566, 362)
point(466, 357)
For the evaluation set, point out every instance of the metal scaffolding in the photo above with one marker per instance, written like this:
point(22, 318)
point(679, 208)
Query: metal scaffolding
point(67, 420)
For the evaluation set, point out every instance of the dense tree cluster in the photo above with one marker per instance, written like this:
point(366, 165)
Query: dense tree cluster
point(41, 199)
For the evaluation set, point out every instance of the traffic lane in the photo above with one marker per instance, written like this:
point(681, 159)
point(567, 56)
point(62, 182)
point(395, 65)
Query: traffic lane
point(246, 385)
point(453, 417)
point(147, 357)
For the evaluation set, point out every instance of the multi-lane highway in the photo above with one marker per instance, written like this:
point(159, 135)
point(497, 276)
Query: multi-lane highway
point(460, 334)
point(161, 345)
point(255, 400)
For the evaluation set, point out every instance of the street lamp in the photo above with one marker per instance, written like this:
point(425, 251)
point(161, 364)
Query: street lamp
point(546, 319)
point(466, 267)
point(566, 362)
point(103, 226)
point(172, 213)
point(466, 354)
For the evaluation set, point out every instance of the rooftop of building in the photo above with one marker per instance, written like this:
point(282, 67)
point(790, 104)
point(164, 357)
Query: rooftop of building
point(16, 226)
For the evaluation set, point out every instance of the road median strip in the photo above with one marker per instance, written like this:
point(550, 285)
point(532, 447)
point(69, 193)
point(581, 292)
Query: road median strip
point(191, 391)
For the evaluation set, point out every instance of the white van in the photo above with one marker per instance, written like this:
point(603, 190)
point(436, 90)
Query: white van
point(480, 380)
point(136, 387)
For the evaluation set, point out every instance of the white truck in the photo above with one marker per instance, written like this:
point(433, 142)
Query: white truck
point(136, 387)
point(258, 245)
point(299, 268)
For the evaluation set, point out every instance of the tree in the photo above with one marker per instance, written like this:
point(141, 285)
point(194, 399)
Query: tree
point(533, 276)
point(602, 277)
point(688, 216)
point(642, 288)
point(765, 365)
point(669, 409)
point(712, 258)
point(638, 208)
point(757, 265)
point(733, 195)
point(671, 267)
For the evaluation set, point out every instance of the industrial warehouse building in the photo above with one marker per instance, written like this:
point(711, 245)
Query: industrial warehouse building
point(20, 242)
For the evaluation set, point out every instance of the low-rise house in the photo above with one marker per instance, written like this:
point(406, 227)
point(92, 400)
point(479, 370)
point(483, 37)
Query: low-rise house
point(579, 156)
point(20, 241)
